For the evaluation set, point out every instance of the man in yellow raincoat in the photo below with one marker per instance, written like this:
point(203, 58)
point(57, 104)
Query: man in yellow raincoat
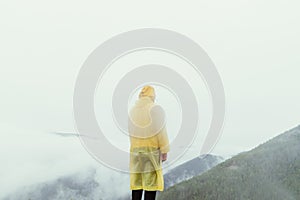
point(149, 145)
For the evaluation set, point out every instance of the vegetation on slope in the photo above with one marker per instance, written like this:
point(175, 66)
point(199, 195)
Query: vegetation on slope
point(270, 171)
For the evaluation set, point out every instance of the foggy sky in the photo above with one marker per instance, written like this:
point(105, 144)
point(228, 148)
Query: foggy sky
point(254, 45)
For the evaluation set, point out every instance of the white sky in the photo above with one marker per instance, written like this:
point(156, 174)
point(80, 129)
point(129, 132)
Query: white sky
point(254, 45)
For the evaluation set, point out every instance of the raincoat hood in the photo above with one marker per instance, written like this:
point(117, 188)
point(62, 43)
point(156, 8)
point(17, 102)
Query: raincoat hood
point(147, 91)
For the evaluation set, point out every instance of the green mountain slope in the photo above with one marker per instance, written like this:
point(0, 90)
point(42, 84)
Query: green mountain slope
point(270, 171)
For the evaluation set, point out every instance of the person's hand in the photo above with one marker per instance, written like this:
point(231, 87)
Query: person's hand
point(164, 157)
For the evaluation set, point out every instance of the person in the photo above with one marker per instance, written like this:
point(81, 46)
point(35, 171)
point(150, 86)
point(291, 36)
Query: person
point(149, 145)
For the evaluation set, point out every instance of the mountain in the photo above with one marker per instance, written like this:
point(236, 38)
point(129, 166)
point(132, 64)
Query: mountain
point(269, 171)
point(84, 185)
point(90, 184)
point(190, 169)
point(97, 183)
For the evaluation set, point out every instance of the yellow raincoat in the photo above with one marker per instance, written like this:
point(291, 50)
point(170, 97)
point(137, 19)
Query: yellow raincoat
point(147, 145)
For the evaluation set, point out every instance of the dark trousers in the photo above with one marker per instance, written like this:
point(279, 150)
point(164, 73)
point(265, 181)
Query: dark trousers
point(137, 195)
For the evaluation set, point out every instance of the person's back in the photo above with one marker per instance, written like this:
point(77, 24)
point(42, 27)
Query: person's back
point(149, 145)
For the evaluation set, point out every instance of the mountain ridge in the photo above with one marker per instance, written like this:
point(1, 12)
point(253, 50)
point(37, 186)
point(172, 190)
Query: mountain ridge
point(269, 171)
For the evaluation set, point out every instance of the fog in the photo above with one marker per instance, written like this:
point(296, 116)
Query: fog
point(29, 157)
point(254, 45)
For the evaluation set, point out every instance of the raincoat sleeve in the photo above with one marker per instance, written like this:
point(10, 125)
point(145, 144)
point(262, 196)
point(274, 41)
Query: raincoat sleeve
point(159, 124)
point(163, 141)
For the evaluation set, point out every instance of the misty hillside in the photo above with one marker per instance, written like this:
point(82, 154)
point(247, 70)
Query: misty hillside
point(269, 171)
point(190, 169)
point(97, 183)
point(80, 186)
point(87, 185)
